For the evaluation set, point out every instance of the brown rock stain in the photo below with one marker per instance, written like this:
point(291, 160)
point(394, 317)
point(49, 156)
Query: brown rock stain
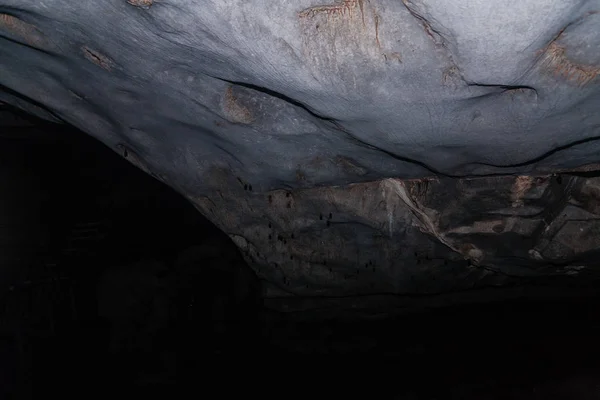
point(28, 32)
point(376, 19)
point(237, 112)
point(145, 4)
point(556, 60)
point(97, 58)
point(395, 56)
point(519, 188)
point(334, 37)
point(450, 75)
point(340, 9)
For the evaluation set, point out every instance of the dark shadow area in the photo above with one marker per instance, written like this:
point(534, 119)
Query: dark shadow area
point(114, 286)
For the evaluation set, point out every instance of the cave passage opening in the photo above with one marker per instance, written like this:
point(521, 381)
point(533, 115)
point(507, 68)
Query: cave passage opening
point(103, 266)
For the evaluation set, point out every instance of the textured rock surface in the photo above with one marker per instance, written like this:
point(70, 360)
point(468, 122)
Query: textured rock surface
point(337, 142)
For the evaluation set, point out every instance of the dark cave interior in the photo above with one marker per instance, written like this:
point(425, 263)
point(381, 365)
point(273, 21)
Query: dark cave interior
point(112, 281)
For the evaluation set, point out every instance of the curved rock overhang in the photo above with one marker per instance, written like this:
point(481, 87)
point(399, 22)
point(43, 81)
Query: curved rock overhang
point(350, 148)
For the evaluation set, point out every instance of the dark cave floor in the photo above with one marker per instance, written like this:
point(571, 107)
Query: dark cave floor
point(496, 351)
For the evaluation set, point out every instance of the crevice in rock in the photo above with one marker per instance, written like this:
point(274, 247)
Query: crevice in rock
point(504, 88)
point(278, 95)
point(539, 158)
